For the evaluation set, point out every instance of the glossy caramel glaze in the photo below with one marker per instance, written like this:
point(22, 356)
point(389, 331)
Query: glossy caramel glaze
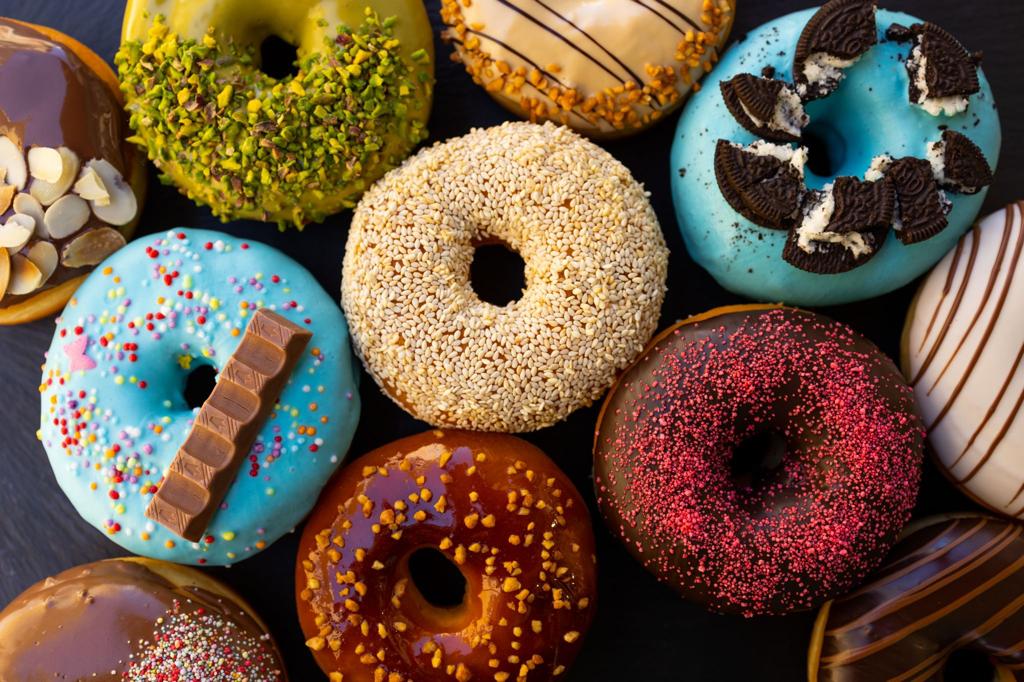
point(49, 97)
point(497, 508)
point(114, 620)
point(953, 583)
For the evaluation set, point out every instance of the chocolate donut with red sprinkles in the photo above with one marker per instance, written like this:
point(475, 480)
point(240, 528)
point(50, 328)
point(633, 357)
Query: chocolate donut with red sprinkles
point(826, 418)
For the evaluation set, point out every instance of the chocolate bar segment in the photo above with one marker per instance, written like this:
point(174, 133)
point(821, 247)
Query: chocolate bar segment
point(227, 424)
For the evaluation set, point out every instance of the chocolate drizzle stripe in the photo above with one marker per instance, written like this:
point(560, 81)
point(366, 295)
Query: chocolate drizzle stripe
point(934, 663)
point(992, 408)
point(679, 13)
point(946, 288)
point(661, 16)
point(895, 575)
point(845, 657)
point(991, 323)
point(975, 237)
point(547, 74)
point(989, 287)
point(542, 25)
point(937, 580)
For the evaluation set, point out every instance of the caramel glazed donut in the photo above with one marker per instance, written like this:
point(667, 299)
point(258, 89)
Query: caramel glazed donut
point(491, 507)
point(137, 620)
point(70, 184)
point(604, 67)
point(951, 583)
point(595, 271)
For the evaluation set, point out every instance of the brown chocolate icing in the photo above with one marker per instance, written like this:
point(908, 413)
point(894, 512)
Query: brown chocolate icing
point(953, 583)
point(94, 622)
point(50, 97)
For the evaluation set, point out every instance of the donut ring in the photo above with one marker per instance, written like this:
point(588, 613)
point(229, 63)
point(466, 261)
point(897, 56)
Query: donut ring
point(501, 514)
point(135, 619)
point(952, 582)
point(596, 265)
point(113, 392)
point(795, 533)
point(292, 150)
point(37, 278)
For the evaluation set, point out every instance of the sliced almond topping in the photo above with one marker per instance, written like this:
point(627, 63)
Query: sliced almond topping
point(45, 163)
point(25, 276)
point(48, 192)
point(12, 159)
point(14, 234)
point(91, 188)
point(44, 256)
point(122, 205)
point(6, 194)
point(92, 247)
point(28, 205)
point(5, 271)
point(67, 215)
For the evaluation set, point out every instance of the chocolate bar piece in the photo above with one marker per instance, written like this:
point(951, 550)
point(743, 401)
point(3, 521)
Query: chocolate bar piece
point(227, 424)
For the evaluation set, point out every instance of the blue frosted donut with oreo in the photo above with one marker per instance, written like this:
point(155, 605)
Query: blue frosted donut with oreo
point(834, 154)
point(198, 394)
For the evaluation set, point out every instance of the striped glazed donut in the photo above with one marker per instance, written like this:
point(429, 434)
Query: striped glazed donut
point(603, 67)
point(951, 583)
point(963, 351)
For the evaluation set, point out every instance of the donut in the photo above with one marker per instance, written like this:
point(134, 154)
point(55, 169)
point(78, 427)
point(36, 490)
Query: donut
point(608, 69)
point(809, 170)
point(71, 187)
point(595, 271)
point(758, 460)
point(291, 150)
point(135, 619)
point(952, 583)
point(963, 352)
point(144, 458)
point(495, 512)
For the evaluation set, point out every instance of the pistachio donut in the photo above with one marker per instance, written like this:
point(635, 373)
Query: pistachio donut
point(595, 269)
point(291, 150)
point(604, 67)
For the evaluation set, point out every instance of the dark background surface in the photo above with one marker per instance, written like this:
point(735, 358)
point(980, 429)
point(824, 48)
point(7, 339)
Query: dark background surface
point(642, 631)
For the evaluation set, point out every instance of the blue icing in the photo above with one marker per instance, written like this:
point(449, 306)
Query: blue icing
point(174, 302)
point(867, 116)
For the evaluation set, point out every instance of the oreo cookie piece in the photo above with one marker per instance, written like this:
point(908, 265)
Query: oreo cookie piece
point(833, 39)
point(767, 107)
point(763, 182)
point(843, 226)
point(958, 164)
point(943, 74)
point(921, 208)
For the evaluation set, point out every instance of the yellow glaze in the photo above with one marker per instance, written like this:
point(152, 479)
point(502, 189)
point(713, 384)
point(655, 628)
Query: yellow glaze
point(304, 24)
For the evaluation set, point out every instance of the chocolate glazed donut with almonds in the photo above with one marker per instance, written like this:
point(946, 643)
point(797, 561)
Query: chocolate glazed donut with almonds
point(951, 583)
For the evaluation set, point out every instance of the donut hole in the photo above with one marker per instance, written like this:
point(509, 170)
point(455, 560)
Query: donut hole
point(757, 459)
point(826, 149)
point(278, 58)
point(965, 665)
point(497, 273)
point(438, 580)
point(199, 385)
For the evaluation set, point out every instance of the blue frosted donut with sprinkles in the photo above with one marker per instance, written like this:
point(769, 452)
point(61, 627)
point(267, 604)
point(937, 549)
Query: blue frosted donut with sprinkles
point(120, 395)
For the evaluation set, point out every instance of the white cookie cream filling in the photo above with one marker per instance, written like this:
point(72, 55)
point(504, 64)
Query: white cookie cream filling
point(825, 70)
point(783, 152)
point(879, 166)
point(946, 106)
point(813, 227)
point(789, 116)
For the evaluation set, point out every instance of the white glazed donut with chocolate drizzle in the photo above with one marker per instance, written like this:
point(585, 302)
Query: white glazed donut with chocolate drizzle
point(603, 67)
point(963, 351)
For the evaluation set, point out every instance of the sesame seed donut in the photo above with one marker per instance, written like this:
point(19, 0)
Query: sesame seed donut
point(135, 619)
point(606, 68)
point(293, 149)
point(116, 414)
point(759, 460)
point(595, 270)
point(491, 508)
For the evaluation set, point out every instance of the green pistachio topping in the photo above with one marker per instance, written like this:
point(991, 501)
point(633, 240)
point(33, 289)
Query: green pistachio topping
point(291, 150)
